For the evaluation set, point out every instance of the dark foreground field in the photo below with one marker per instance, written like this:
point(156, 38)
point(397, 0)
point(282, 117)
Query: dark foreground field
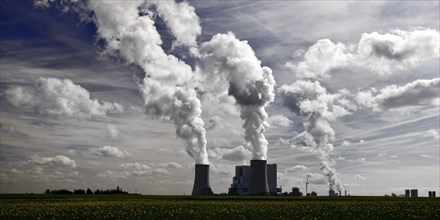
point(214, 207)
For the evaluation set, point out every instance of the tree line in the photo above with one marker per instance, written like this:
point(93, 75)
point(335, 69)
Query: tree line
point(118, 190)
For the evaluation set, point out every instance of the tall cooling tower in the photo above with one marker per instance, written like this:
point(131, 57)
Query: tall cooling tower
point(201, 180)
point(258, 178)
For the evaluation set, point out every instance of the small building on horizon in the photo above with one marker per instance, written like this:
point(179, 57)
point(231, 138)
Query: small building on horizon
point(295, 191)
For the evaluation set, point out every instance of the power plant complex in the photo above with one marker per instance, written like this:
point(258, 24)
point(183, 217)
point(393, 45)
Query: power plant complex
point(259, 178)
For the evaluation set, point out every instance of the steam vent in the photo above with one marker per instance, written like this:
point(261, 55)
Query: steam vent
point(201, 180)
point(258, 178)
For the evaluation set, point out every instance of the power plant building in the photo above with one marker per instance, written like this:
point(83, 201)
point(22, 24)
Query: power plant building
point(242, 178)
point(240, 182)
point(407, 193)
point(201, 180)
point(331, 192)
point(272, 179)
point(414, 193)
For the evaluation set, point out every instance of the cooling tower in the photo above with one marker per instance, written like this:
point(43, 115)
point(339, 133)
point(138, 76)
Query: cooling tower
point(258, 178)
point(201, 180)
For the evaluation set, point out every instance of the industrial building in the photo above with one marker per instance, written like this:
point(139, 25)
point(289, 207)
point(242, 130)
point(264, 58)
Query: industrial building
point(240, 182)
point(407, 193)
point(414, 193)
point(431, 194)
point(201, 180)
point(331, 192)
point(296, 192)
point(242, 178)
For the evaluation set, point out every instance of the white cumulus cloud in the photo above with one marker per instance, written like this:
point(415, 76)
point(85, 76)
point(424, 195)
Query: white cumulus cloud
point(419, 93)
point(359, 177)
point(109, 151)
point(279, 121)
point(380, 52)
point(238, 153)
point(56, 161)
point(60, 98)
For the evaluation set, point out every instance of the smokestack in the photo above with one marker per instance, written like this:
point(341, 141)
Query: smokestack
point(258, 178)
point(201, 180)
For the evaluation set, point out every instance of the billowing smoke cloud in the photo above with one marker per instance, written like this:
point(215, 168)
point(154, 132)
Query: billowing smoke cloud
point(166, 88)
point(311, 101)
point(60, 98)
point(231, 65)
point(417, 94)
point(132, 37)
point(380, 53)
point(178, 18)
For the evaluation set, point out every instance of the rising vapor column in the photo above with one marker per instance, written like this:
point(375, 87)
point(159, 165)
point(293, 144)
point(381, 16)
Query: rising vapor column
point(231, 66)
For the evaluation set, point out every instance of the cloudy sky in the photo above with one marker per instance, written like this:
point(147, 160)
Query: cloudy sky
point(102, 94)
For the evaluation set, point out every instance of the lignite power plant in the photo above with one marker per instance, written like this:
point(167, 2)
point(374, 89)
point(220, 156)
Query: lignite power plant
point(258, 182)
point(258, 178)
point(201, 180)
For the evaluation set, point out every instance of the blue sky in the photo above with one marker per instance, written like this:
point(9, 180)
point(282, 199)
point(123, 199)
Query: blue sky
point(357, 89)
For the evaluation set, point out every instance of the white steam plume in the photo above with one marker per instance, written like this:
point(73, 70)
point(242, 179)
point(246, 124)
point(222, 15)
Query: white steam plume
point(182, 20)
point(128, 29)
point(166, 88)
point(312, 102)
point(231, 65)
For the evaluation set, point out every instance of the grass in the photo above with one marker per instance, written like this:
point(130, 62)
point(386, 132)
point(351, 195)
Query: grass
point(214, 207)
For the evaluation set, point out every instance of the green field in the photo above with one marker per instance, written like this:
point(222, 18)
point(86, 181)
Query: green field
point(214, 207)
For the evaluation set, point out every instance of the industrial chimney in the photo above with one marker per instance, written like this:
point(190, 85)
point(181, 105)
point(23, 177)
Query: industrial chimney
point(201, 180)
point(258, 178)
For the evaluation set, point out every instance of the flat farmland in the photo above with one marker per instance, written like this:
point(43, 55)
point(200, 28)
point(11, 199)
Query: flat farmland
point(214, 207)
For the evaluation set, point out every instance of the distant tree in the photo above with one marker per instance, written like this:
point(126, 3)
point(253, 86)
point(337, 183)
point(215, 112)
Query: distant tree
point(89, 191)
point(393, 194)
point(47, 191)
point(79, 191)
point(61, 191)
